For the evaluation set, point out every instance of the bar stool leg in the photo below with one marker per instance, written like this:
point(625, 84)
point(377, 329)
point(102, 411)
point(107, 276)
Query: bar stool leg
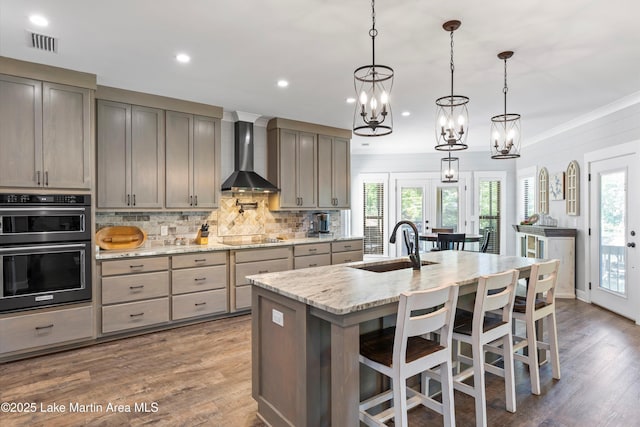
point(447, 394)
point(532, 350)
point(478, 385)
point(400, 402)
point(553, 345)
point(509, 377)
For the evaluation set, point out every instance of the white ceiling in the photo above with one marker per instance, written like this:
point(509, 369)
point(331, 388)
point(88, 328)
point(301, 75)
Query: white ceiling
point(571, 56)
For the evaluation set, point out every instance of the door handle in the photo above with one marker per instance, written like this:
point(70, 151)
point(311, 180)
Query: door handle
point(631, 244)
point(46, 178)
point(38, 177)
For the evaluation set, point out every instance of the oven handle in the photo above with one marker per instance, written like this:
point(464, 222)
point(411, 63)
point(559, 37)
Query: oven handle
point(31, 248)
point(42, 208)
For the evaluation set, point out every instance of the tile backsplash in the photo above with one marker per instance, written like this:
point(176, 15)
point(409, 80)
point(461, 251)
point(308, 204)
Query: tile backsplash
point(226, 224)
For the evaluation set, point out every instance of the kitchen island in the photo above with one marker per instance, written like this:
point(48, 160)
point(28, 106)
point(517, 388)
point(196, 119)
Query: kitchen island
point(306, 326)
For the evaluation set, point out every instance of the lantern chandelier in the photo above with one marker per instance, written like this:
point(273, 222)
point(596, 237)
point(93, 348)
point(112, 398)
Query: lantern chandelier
point(373, 83)
point(505, 128)
point(449, 169)
point(452, 117)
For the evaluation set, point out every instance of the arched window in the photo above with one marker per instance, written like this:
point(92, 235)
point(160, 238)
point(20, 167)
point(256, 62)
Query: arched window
point(573, 188)
point(543, 191)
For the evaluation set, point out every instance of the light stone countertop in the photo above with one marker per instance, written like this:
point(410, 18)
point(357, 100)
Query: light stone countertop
point(192, 248)
point(342, 289)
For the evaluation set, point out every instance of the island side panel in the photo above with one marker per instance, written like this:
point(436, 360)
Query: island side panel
point(279, 358)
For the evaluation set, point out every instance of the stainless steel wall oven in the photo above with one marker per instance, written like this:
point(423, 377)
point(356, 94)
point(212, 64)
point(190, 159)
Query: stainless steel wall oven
point(45, 250)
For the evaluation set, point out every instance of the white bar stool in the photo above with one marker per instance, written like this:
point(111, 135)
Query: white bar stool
point(479, 329)
point(401, 352)
point(532, 309)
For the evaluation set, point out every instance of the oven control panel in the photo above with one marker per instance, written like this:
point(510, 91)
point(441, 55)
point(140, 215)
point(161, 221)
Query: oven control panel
point(45, 199)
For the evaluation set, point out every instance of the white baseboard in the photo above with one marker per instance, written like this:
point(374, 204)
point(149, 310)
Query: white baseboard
point(583, 295)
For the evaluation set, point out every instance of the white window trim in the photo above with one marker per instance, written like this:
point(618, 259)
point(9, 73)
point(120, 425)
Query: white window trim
point(532, 172)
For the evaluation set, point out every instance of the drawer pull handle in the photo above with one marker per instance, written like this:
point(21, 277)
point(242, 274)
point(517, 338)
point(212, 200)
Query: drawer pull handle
point(200, 303)
point(347, 246)
point(347, 260)
point(136, 287)
point(137, 314)
point(313, 250)
point(313, 265)
point(39, 328)
point(200, 279)
point(136, 266)
point(263, 271)
point(200, 260)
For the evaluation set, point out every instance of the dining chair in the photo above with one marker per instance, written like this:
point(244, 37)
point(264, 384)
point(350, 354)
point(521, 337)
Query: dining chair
point(485, 243)
point(539, 304)
point(440, 230)
point(450, 241)
point(402, 351)
point(483, 327)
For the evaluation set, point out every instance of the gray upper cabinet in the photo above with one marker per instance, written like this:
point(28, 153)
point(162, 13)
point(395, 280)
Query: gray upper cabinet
point(310, 164)
point(190, 161)
point(333, 172)
point(293, 168)
point(45, 134)
point(130, 156)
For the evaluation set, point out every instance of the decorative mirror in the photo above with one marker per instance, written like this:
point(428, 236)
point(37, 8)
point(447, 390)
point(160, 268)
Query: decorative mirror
point(573, 188)
point(543, 191)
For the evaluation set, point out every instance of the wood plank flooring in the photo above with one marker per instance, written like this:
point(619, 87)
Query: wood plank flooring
point(201, 375)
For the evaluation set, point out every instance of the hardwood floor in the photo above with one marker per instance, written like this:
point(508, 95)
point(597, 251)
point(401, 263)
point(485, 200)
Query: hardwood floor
point(201, 375)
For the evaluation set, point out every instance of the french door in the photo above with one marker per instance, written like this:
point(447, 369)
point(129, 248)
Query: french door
point(428, 203)
point(614, 221)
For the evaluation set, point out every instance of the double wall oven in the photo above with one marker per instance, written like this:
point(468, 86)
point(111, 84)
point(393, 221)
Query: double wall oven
point(45, 250)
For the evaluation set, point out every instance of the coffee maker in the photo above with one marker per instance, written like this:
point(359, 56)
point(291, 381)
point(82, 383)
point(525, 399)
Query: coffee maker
point(321, 224)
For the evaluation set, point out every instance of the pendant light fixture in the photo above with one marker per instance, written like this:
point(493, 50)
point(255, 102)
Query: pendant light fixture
point(505, 128)
point(373, 83)
point(452, 117)
point(449, 169)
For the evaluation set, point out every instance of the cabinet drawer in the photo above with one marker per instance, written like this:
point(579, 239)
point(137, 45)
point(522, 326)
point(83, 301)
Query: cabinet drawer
point(344, 257)
point(249, 268)
point(243, 297)
point(199, 304)
point(134, 265)
point(133, 287)
point(312, 249)
point(134, 315)
point(53, 327)
point(262, 254)
point(200, 259)
point(199, 279)
point(311, 261)
point(347, 245)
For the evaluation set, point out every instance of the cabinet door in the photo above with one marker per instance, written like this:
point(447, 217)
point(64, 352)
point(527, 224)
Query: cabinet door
point(205, 187)
point(287, 168)
point(179, 142)
point(147, 156)
point(341, 176)
point(66, 136)
point(307, 170)
point(325, 172)
point(113, 146)
point(20, 132)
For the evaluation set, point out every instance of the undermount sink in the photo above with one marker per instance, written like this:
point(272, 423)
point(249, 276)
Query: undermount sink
point(391, 266)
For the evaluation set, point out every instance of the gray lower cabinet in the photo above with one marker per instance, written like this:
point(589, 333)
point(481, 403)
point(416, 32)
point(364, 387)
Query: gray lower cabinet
point(45, 134)
point(134, 293)
point(254, 261)
point(311, 255)
point(45, 329)
point(130, 146)
point(191, 150)
point(344, 251)
point(199, 284)
point(334, 177)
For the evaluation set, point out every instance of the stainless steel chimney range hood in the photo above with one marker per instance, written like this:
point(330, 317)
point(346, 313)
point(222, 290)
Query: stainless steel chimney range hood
point(244, 179)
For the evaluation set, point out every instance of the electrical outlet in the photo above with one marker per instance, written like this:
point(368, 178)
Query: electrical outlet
point(277, 317)
point(164, 230)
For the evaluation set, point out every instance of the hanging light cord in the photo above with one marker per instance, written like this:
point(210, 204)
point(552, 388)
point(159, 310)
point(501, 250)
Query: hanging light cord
point(373, 32)
point(452, 66)
point(505, 89)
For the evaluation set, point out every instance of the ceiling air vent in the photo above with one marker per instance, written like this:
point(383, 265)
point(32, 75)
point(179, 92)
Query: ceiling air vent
point(42, 42)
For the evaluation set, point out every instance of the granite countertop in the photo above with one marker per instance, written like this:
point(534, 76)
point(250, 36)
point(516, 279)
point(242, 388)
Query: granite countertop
point(342, 289)
point(192, 248)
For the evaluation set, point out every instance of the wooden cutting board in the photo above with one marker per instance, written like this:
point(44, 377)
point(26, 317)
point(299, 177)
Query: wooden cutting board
point(120, 237)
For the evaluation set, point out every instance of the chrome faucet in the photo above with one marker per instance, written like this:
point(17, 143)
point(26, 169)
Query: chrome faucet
point(414, 257)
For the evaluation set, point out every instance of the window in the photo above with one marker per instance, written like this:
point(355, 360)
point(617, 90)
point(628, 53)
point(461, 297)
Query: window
point(573, 188)
point(526, 197)
point(489, 213)
point(373, 217)
point(448, 208)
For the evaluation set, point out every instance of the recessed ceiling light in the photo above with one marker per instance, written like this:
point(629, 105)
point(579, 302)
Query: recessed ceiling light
point(351, 100)
point(406, 113)
point(183, 58)
point(39, 20)
point(283, 83)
